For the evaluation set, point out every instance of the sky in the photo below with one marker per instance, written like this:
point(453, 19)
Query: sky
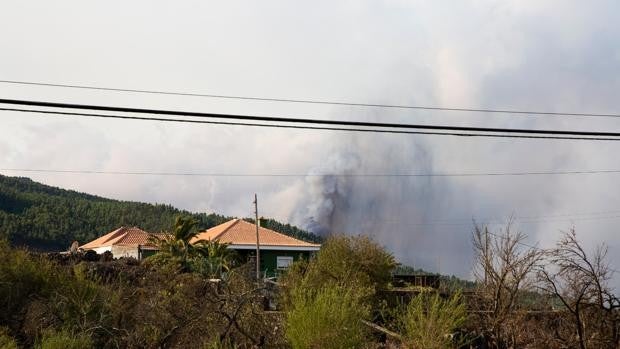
point(555, 56)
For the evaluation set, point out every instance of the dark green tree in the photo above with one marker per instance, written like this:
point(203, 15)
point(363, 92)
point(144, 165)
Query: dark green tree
point(176, 248)
point(214, 258)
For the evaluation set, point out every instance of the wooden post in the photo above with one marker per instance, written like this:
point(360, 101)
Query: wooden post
point(257, 239)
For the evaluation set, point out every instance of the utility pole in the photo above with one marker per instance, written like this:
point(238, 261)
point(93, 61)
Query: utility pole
point(486, 255)
point(257, 240)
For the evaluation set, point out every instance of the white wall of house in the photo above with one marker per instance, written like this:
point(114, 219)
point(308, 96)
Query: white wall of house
point(101, 250)
point(125, 251)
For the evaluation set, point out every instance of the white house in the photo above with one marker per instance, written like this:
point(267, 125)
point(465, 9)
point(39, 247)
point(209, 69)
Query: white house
point(124, 242)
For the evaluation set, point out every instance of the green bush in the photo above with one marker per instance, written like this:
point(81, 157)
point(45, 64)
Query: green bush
point(327, 318)
point(351, 261)
point(126, 305)
point(64, 340)
point(63, 295)
point(23, 275)
point(428, 320)
point(82, 302)
point(6, 341)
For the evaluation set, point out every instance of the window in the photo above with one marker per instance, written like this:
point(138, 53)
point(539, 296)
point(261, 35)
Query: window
point(283, 262)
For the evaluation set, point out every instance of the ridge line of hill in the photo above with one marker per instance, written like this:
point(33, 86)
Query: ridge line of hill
point(47, 218)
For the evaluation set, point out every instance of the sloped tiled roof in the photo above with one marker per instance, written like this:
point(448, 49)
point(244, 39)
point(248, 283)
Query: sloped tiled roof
point(240, 232)
point(123, 236)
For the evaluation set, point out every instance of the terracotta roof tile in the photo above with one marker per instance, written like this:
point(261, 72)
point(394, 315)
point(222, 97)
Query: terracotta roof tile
point(240, 232)
point(122, 236)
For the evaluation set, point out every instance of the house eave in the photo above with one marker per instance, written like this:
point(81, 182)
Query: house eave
point(274, 247)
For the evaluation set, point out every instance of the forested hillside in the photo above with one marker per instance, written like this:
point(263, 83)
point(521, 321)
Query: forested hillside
point(50, 218)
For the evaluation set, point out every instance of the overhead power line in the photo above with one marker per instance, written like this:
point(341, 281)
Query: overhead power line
point(302, 123)
point(124, 117)
point(224, 174)
point(520, 221)
point(537, 218)
point(367, 130)
point(316, 101)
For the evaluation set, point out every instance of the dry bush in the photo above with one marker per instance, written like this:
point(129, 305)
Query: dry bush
point(579, 282)
point(187, 310)
point(125, 304)
point(504, 267)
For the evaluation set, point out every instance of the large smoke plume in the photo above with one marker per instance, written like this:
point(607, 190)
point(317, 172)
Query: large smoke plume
point(348, 193)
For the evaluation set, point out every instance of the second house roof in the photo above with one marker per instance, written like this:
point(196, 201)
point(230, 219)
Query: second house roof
point(241, 234)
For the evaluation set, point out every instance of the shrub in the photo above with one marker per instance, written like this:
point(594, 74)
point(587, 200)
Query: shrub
point(82, 302)
point(329, 317)
point(428, 320)
point(6, 341)
point(352, 261)
point(22, 275)
point(64, 340)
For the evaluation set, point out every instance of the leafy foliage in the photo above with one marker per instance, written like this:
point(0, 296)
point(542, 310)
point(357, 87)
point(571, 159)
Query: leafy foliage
point(175, 248)
point(83, 303)
point(64, 340)
point(40, 294)
point(179, 251)
point(329, 317)
point(428, 320)
point(214, 258)
point(71, 303)
point(23, 276)
point(328, 296)
point(346, 260)
point(6, 341)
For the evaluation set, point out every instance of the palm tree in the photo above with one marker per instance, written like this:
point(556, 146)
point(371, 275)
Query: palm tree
point(175, 247)
point(218, 258)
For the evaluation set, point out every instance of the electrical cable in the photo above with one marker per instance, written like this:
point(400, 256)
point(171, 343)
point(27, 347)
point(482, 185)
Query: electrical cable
point(311, 101)
point(371, 175)
point(461, 131)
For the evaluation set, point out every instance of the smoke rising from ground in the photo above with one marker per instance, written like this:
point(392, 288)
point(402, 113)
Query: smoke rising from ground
point(391, 209)
point(551, 56)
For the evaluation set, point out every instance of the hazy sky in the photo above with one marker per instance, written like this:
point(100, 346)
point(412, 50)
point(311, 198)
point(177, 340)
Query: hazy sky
point(532, 55)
